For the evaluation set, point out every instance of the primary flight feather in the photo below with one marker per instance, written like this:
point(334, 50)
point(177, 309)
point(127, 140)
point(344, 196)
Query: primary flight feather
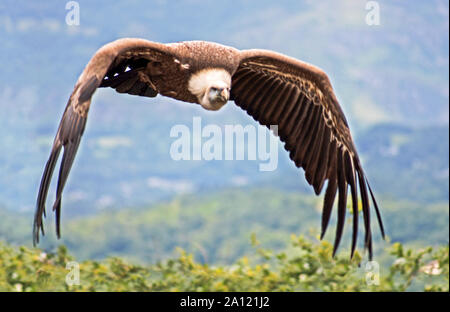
point(273, 88)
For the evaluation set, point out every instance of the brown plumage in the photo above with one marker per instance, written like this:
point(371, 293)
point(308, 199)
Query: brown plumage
point(274, 89)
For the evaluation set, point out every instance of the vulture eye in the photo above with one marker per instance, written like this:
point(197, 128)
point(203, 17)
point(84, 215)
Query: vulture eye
point(214, 89)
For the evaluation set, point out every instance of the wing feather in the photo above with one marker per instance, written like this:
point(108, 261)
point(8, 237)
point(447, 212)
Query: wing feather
point(108, 60)
point(330, 195)
point(256, 109)
point(273, 115)
point(293, 113)
point(322, 162)
point(342, 201)
point(311, 160)
point(276, 91)
point(257, 84)
point(291, 138)
point(306, 135)
point(350, 172)
point(286, 115)
point(297, 97)
point(265, 87)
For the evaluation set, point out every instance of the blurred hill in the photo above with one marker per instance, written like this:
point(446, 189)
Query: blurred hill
point(217, 227)
point(128, 164)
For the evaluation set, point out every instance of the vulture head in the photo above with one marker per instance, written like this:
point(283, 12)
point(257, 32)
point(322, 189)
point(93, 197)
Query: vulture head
point(211, 86)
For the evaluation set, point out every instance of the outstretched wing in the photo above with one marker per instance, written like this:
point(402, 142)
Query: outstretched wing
point(297, 97)
point(124, 65)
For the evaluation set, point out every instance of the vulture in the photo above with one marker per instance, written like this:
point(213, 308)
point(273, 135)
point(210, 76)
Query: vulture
point(272, 88)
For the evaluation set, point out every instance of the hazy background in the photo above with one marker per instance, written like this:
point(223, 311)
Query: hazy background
point(126, 196)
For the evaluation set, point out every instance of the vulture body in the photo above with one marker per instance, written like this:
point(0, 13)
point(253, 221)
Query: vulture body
point(273, 88)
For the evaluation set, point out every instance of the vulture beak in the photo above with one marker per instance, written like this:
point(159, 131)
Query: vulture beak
point(224, 93)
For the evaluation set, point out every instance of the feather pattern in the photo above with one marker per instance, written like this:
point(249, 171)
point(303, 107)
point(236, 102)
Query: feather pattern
point(314, 129)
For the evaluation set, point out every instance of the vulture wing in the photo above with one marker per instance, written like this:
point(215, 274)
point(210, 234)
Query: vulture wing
point(123, 65)
point(297, 97)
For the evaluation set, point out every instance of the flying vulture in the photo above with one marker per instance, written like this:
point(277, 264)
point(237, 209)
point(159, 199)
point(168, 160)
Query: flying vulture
point(272, 88)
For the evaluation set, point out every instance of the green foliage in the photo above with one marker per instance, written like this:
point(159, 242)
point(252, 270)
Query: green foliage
point(423, 265)
point(305, 266)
